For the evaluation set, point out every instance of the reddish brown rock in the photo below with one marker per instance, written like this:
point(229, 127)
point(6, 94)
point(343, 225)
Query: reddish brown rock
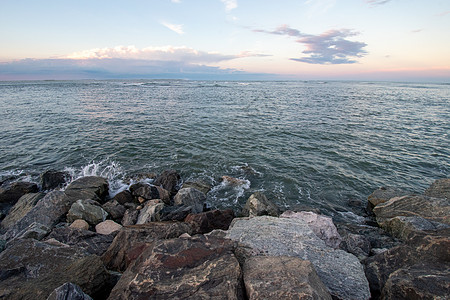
point(131, 240)
point(123, 197)
point(168, 180)
point(210, 220)
point(196, 268)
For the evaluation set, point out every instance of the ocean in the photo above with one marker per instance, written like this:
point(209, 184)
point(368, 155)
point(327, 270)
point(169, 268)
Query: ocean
point(303, 143)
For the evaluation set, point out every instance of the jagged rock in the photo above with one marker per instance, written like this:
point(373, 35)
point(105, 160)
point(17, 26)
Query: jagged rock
point(417, 269)
point(175, 213)
point(88, 188)
point(150, 192)
point(48, 212)
point(35, 231)
point(150, 212)
point(21, 208)
point(132, 240)
point(282, 277)
point(80, 224)
point(383, 194)
point(210, 220)
point(107, 227)
point(88, 210)
point(168, 180)
point(10, 193)
point(30, 269)
point(89, 241)
point(204, 268)
point(123, 197)
point(439, 189)
point(321, 225)
point(114, 209)
point(53, 179)
point(258, 205)
point(190, 197)
point(198, 185)
point(432, 209)
point(68, 291)
point(356, 244)
point(294, 237)
point(403, 227)
point(130, 217)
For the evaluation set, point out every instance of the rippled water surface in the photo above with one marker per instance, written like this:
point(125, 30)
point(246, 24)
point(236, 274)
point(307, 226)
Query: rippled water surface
point(316, 144)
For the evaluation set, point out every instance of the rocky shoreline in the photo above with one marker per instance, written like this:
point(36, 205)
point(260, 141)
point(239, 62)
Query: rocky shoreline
point(160, 241)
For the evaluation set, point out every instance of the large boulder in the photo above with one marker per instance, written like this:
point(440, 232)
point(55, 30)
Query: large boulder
point(88, 210)
point(114, 209)
point(30, 269)
point(190, 197)
point(48, 211)
point(282, 277)
point(404, 227)
point(132, 240)
point(321, 225)
point(198, 185)
point(417, 269)
point(439, 189)
point(293, 237)
point(146, 192)
point(150, 212)
point(68, 291)
point(204, 268)
point(383, 194)
point(258, 205)
point(89, 241)
point(10, 193)
point(123, 197)
point(21, 208)
point(53, 179)
point(210, 220)
point(169, 180)
point(88, 188)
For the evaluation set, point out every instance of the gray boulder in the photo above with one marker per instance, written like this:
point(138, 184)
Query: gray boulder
point(21, 208)
point(198, 185)
point(114, 209)
point(88, 188)
point(53, 179)
point(168, 180)
point(439, 189)
point(88, 210)
point(294, 237)
point(383, 194)
point(258, 205)
point(190, 197)
point(403, 227)
point(282, 277)
point(68, 291)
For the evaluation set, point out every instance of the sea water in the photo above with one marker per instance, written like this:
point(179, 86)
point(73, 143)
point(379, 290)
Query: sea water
point(314, 144)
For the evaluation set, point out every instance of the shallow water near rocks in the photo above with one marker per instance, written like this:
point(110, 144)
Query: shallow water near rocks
point(313, 144)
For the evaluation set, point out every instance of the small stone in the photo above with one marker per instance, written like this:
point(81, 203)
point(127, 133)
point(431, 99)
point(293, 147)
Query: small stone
point(107, 227)
point(80, 224)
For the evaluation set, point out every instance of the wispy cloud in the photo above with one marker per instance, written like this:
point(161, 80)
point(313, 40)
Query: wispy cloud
point(318, 7)
point(330, 47)
point(178, 28)
point(416, 30)
point(377, 2)
point(443, 13)
point(229, 4)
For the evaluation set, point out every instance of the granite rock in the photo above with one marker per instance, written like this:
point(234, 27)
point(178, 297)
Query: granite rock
point(210, 220)
point(21, 208)
point(151, 212)
point(88, 210)
point(114, 209)
point(439, 189)
point(190, 197)
point(88, 188)
point(80, 224)
point(198, 185)
point(123, 197)
point(169, 180)
point(258, 205)
point(107, 227)
point(383, 194)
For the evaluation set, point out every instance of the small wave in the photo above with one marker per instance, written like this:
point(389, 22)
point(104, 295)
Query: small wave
point(230, 191)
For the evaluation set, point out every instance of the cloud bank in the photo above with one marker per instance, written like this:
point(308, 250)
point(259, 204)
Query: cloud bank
point(330, 47)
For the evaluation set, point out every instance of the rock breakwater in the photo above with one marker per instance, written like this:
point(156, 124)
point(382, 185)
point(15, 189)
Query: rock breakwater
point(159, 241)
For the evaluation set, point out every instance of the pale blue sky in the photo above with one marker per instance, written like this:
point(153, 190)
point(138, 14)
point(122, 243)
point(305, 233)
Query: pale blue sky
point(294, 39)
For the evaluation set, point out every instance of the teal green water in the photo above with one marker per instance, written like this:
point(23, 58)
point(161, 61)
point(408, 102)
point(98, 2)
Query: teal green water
point(313, 143)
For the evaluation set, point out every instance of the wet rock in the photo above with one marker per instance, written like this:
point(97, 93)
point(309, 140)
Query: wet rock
point(30, 269)
point(107, 227)
point(293, 237)
point(114, 209)
point(169, 180)
point(404, 227)
point(87, 210)
point(282, 277)
point(68, 291)
point(123, 197)
point(321, 225)
point(48, 212)
point(205, 268)
point(190, 197)
point(383, 194)
point(198, 185)
point(21, 208)
point(11, 193)
point(439, 189)
point(132, 240)
point(88, 188)
point(432, 209)
point(80, 224)
point(210, 220)
point(258, 205)
point(53, 179)
point(89, 241)
point(149, 192)
point(150, 212)
point(175, 213)
point(130, 217)
point(417, 269)
point(233, 181)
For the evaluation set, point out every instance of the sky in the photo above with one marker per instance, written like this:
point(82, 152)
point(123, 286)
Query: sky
point(388, 40)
